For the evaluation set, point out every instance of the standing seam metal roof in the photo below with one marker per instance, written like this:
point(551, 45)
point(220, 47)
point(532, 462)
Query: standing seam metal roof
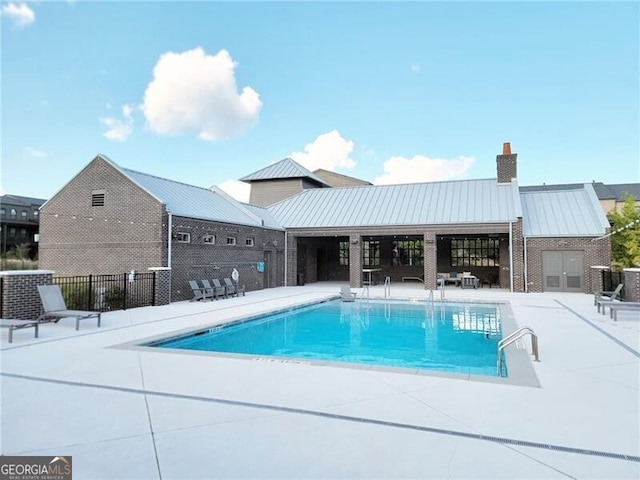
point(453, 202)
point(563, 213)
point(286, 168)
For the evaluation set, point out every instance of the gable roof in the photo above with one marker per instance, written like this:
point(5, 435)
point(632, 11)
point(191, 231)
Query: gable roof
point(452, 202)
point(562, 213)
point(286, 168)
point(337, 180)
point(190, 201)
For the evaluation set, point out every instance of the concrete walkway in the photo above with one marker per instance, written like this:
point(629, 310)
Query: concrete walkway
point(126, 413)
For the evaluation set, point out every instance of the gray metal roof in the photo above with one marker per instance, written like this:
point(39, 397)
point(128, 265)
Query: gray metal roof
point(562, 213)
point(604, 191)
point(287, 168)
point(453, 202)
point(190, 201)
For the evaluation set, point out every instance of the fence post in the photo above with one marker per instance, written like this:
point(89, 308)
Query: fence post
point(90, 306)
point(162, 285)
point(124, 289)
point(598, 283)
point(631, 282)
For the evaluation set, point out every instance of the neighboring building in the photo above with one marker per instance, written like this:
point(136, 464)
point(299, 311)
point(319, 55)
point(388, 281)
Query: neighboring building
point(19, 223)
point(110, 219)
point(610, 196)
point(279, 181)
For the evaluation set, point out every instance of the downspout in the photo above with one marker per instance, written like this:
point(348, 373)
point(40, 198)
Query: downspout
point(526, 270)
point(511, 255)
point(286, 263)
point(169, 230)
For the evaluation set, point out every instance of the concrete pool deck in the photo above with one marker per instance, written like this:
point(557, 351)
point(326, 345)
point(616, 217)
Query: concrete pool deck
point(130, 413)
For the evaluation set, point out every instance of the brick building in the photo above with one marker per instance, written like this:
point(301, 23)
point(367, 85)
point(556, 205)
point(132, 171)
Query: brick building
point(19, 223)
point(110, 219)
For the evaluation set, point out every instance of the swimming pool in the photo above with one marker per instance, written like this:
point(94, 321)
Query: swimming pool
point(448, 337)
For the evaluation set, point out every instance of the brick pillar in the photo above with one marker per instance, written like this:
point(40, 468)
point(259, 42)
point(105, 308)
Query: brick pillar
point(430, 261)
point(20, 298)
point(292, 259)
point(162, 294)
point(518, 257)
point(631, 284)
point(355, 260)
point(504, 273)
point(596, 278)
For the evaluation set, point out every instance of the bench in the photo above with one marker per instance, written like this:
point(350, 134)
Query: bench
point(17, 325)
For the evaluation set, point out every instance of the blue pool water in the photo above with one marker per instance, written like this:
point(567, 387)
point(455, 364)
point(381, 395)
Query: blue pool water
point(461, 338)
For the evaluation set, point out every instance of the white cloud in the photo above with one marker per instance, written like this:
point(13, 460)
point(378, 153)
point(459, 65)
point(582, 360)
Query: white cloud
point(422, 169)
point(238, 190)
point(119, 130)
point(196, 92)
point(34, 153)
point(21, 14)
point(328, 151)
point(416, 67)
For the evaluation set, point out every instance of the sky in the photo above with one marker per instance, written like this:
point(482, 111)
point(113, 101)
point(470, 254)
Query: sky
point(206, 93)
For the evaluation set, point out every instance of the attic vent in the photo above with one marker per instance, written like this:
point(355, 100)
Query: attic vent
point(97, 198)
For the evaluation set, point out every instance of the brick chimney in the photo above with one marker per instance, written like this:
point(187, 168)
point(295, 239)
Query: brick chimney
point(507, 164)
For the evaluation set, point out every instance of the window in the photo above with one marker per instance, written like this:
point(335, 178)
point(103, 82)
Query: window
point(12, 232)
point(13, 213)
point(24, 214)
point(343, 253)
point(475, 252)
point(371, 253)
point(97, 198)
point(23, 232)
point(410, 252)
point(209, 239)
point(249, 242)
point(231, 240)
point(3, 212)
point(183, 237)
point(36, 213)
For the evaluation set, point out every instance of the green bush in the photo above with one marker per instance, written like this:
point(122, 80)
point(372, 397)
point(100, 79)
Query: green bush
point(76, 296)
point(114, 298)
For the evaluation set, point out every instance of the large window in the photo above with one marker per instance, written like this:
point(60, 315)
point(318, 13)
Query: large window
point(371, 253)
point(343, 253)
point(475, 252)
point(409, 252)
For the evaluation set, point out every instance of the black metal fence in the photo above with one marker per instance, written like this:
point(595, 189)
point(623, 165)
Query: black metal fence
point(103, 293)
point(610, 280)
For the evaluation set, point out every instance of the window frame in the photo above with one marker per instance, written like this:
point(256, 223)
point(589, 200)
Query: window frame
point(232, 241)
point(206, 238)
point(183, 237)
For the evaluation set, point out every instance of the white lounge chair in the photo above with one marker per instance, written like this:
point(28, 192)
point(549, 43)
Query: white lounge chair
point(347, 295)
point(54, 307)
point(608, 295)
point(17, 325)
point(419, 278)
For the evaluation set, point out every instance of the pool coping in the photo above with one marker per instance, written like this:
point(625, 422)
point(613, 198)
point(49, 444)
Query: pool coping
point(519, 362)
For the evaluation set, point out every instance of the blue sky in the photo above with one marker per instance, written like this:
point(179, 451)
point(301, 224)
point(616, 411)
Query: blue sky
point(208, 92)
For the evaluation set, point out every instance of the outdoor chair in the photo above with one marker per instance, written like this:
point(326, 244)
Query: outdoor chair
point(231, 288)
point(347, 295)
point(54, 307)
point(608, 295)
point(17, 325)
point(419, 278)
point(219, 287)
point(215, 291)
point(199, 293)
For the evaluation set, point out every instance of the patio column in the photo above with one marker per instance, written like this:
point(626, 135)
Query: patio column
point(430, 260)
point(355, 260)
point(162, 293)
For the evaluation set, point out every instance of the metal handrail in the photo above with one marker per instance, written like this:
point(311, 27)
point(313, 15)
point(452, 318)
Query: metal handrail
point(387, 286)
point(365, 289)
point(509, 339)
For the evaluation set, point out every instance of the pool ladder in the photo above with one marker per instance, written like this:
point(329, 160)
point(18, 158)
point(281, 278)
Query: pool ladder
point(387, 287)
point(509, 339)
